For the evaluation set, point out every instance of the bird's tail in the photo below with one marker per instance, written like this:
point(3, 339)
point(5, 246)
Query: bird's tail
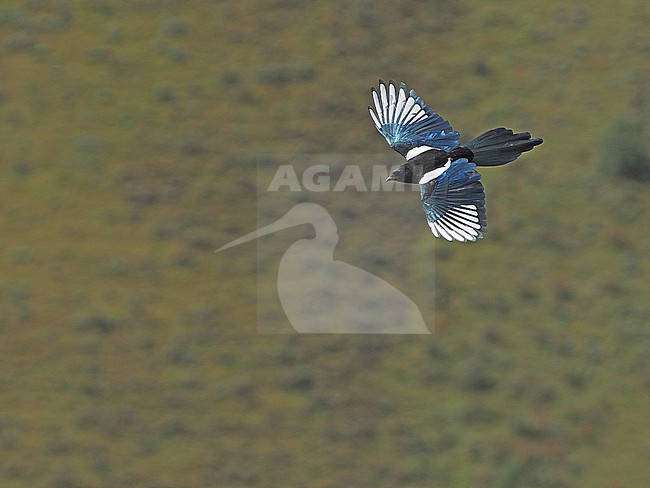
point(500, 146)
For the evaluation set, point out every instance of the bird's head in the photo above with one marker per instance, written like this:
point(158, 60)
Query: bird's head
point(403, 174)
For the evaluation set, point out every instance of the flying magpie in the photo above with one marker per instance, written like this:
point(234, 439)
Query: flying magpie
point(452, 195)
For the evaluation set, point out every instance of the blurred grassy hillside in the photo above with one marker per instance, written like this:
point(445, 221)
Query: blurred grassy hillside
point(130, 134)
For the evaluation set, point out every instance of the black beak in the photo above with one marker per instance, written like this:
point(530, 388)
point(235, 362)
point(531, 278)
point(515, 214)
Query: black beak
point(396, 175)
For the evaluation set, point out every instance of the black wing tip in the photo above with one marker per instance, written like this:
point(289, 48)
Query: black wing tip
point(520, 135)
point(392, 82)
point(528, 143)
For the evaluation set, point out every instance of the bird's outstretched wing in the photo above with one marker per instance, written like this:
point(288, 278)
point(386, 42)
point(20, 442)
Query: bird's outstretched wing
point(407, 122)
point(454, 201)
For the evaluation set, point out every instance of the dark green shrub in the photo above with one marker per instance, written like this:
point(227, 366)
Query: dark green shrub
point(625, 149)
point(173, 26)
point(95, 322)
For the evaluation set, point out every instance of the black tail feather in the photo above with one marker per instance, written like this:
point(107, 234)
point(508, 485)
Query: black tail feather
point(500, 146)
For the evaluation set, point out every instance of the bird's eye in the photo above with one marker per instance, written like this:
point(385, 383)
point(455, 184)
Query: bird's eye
point(408, 175)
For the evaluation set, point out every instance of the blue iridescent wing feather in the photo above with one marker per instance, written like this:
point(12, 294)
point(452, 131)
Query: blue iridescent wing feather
point(406, 121)
point(454, 201)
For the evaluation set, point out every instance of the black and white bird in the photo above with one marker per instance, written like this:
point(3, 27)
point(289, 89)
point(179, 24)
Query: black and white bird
point(452, 195)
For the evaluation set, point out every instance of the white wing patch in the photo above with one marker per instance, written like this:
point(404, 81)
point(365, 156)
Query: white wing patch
point(392, 101)
point(394, 106)
point(458, 224)
point(379, 121)
point(432, 175)
point(417, 151)
point(374, 118)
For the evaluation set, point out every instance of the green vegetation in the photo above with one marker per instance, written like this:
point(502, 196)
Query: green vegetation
point(129, 352)
point(625, 148)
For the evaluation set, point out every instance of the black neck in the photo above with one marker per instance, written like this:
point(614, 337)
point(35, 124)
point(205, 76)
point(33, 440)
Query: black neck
point(461, 152)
